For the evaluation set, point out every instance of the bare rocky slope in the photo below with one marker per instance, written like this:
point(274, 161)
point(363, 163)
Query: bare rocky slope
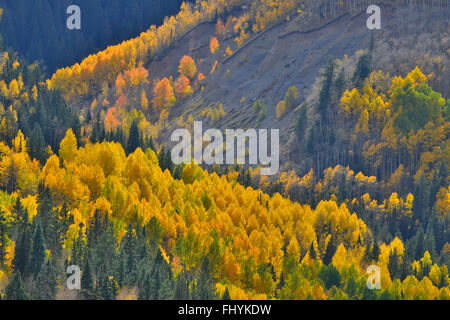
point(289, 54)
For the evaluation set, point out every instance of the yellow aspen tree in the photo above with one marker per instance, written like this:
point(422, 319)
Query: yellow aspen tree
point(144, 101)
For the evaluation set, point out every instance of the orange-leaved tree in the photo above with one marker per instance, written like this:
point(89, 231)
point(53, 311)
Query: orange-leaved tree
point(183, 87)
point(163, 95)
point(214, 45)
point(187, 67)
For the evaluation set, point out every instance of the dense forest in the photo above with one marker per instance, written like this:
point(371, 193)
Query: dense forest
point(44, 37)
point(95, 186)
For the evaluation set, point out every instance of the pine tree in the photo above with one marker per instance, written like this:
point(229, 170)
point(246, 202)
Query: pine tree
point(312, 252)
point(394, 264)
point(226, 295)
point(151, 285)
point(78, 249)
point(2, 240)
point(421, 197)
point(15, 289)
point(21, 215)
point(435, 185)
point(330, 276)
point(169, 163)
point(363, 69)
point(87, 283)
point(166, 287)
point(21, 260)
point(420, 246)
point(37, 254)
point(325, 92)
point(37, 144)
point(48, 219)
point(146, 288)
point(102, 287)
point(351, 287)
point(206, 289)
point(329, 252)
point(182, 287)
point(301, 121)
point(405, 268)
point(340, 83)
point(45, 287)
point(375, 251)
point(162, 159)
point(133, 138)
point(129, 248)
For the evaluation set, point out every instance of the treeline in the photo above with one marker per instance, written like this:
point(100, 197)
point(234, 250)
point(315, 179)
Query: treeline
point(38, 30)
point(93, 73)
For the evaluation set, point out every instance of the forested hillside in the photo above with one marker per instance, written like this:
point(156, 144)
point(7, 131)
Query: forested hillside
point(86, 176)
point(38, 30)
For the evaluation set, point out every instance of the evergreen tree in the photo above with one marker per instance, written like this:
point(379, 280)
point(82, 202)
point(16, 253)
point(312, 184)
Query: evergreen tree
point(435, 185)
point(78, 249)
point(340, 83)
point(301, 121)
point(162, 159)
point(312, 252)
point(2, 240)
point(363, 69)
point(129, 248)
point(87, 283)
point(330, 276)
point(226, 295)
point(169, 163)
point(45, 286)
point(420, 247)
point(394, 264)
point(206, 290)
point(325, 92)
point(329, 252)
point(182, 287)
point(37, 146)
point(21, 260)
point(421, 198)
point(405, 268)
point(150, 286)
point(133, 138)
point(21, 215)
point(37, 254)
point(15, 289)
point(48, 219)
point(375, 251)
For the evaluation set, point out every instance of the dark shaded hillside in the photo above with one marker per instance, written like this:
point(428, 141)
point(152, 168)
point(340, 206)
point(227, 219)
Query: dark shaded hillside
point(37, 29)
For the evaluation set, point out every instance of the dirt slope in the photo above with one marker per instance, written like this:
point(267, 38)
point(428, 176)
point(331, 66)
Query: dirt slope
point(264, 69)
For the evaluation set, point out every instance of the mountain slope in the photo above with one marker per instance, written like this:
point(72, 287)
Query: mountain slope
point(46, 38)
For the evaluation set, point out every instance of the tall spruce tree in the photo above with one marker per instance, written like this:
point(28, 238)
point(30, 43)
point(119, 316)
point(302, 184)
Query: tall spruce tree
point(21, 260)
point(45, 286)
point(38, 251)
point(329, 252)
point(87, 283)
point(205, 286)
point(134, 140)
point(363, 69)
point(15, 290)
point(2, 239)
